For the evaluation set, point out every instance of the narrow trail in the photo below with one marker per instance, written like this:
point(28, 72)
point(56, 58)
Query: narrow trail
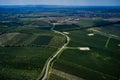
point(107, 42)
point(46, 71)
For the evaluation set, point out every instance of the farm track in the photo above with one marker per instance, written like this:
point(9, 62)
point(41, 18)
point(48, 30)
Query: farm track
point(49, 62)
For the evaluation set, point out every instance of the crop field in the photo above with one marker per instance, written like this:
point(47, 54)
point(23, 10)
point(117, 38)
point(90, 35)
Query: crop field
point(60, 75)
point(42, 40)
point(35, 22)
point(36, 40)
point(23, 63)
point(31, 37)
point(24, 52)
point(65, 27)
point(55, 77)
point(81, 38)
point(91, 22)
point(112, 29)
point(99, 63)
point(45, 28)
point(93, 64)
point(55, 42)
point(26, 47)
point(6, 37)
point(18, 40)
point(4, 29)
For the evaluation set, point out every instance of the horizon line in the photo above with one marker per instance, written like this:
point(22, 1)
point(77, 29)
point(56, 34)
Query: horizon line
point(52, 5)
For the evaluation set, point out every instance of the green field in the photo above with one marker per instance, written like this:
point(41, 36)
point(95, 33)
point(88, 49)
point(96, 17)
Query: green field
point(64, 27)
point(55, 77)
point(26, 44)
point(111, 29)
point(23, 63)
point(91, 22)
point(24, 52)
point(99, 63)
point(93, 64)
point(80, 38)
point(42, 40)
point(18, 40)
point(32, 37)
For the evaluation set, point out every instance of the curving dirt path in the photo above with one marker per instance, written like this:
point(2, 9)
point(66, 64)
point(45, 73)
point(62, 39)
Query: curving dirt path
point(55, 55)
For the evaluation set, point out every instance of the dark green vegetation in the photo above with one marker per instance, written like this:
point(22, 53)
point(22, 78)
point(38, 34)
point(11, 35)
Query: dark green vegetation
point(42, 40)
point(26, 48)
point(26, 42)
point(55, 77)
point(23, 63)
point(99, 63)
point(91, 22)
point(4, 29)
point(93, 64)
point(65, 27)
point(21, 24)
point(35, 22)
point(81, 38)
point(23, 57)
point(111, 29)
point(87, 24)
